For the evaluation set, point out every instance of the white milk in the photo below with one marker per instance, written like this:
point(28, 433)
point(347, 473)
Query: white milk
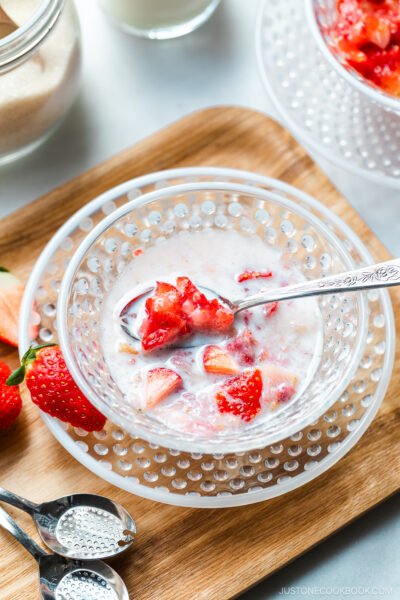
point(291, 336)
point(154, 14)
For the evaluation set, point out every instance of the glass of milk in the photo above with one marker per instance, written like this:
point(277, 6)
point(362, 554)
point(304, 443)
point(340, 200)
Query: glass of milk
point(39, 72)
point(160, 19)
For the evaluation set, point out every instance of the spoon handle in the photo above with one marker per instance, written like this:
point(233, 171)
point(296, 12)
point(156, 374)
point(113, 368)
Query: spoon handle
point(17, 501)
point(374, 276)
point(11, 526)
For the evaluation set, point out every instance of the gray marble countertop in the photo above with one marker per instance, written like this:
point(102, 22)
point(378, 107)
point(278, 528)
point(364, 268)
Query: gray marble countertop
point(133, 87)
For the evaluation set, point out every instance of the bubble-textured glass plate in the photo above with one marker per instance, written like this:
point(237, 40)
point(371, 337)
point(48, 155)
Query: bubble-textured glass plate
point(192, 479)
point(329, 115)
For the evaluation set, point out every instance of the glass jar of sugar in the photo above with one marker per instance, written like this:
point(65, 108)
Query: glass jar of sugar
point(39, 72)
point(160, 19)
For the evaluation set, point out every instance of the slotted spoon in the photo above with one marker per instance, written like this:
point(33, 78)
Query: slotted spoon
point(80, 526)
point(63, 578)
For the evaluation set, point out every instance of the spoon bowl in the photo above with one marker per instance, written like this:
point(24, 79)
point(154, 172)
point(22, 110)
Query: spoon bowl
point(80, 526)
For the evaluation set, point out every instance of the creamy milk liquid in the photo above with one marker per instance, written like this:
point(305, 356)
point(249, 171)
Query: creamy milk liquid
point(291, 337)
point(153, 14)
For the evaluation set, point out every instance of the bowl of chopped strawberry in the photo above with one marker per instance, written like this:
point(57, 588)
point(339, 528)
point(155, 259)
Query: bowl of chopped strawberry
point(156, 352)
point(361, 39)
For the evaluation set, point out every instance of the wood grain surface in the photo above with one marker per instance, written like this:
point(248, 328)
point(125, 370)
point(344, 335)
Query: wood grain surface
point(185, 553)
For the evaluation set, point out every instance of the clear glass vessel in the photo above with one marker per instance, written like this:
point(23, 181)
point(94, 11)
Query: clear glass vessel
point(189, 207)
point(210, 480)
point(39, 74)
point(160, 19)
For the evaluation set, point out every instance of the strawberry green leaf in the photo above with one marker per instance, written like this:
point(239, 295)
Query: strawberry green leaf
point(4, 270)
point(17, 377)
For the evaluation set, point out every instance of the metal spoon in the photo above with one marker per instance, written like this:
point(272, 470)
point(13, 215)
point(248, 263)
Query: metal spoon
point(131, 310)
point(80, 526)
point(7, 25)
point(67, 579)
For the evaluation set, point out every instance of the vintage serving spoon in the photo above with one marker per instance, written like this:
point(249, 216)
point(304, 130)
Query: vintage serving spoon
point(7, 25)
point(80, 526)
point(131, 310)
point(62, 578)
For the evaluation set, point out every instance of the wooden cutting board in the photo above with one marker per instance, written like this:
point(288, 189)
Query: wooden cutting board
point(185, 553)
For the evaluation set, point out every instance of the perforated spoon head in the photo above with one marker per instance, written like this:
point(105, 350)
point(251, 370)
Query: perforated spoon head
point(85, 526)
point(63, 579)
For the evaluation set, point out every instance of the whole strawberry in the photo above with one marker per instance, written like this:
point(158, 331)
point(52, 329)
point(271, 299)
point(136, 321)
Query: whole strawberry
point(53, 390)
point(10, 399)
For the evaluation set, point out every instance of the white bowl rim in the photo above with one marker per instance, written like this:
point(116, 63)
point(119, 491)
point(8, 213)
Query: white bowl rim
point(160, 439)
point(356, 81)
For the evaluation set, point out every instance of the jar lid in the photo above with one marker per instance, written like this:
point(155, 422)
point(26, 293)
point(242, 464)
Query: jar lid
point(25, 40)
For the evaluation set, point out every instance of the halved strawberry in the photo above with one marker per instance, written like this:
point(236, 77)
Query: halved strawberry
point(244, 347)
point(241, 395)
point(160, 383)
point(11, 292)
point(253, 275)
point(218, 360)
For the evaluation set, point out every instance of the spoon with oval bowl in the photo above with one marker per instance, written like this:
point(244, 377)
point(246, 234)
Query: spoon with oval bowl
point(131, 307)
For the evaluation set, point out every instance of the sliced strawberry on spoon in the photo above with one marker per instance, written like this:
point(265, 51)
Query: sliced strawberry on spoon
point(161, 382)
point(165, 320)
point(53, 390)
point(241, 395)
point(203, 314)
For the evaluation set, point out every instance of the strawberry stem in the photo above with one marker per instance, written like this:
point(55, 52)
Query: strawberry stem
point(29, 357)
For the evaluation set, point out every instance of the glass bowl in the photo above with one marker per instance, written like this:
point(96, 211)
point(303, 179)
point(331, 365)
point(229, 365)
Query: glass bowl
point(321, 15)
point(107, 250)
point(332, 113)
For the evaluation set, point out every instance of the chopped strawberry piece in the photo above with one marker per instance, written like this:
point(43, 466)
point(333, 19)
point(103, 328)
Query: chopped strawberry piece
point(203, 314)
point(270, 308)
point(160, 329)
point(165, 320)
point(244, 346)
point(284, 392)
point(173, 312)
point(160, 383)
point(241, 395)
point(217, 360)
point(253, 275)
point(367, 34)
point(279, 383)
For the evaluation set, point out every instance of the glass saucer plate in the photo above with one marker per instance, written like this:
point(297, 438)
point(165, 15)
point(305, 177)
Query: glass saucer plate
point(330, 116)
point(191, 479)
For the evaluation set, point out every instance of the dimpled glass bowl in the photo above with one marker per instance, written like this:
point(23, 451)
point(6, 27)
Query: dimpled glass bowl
point(214, 480)
point(322, 16)
point(333, 112)
point(177, 211)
